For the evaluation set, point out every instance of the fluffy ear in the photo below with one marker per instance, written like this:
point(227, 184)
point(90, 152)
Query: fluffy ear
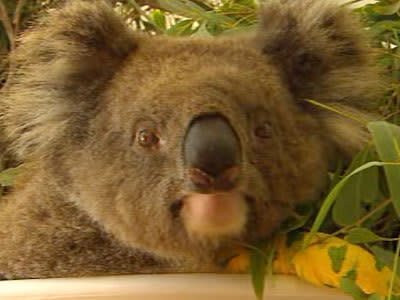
point(58, 70)
point(324, 55)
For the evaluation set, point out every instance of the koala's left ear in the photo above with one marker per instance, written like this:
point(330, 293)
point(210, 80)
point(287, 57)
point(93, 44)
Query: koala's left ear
point(323, 54)
point(59, 69)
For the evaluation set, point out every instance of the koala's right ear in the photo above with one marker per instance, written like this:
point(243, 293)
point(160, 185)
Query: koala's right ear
point(58, 70)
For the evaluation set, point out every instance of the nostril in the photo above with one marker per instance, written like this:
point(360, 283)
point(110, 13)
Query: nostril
point(206, 182)
point(200, 178)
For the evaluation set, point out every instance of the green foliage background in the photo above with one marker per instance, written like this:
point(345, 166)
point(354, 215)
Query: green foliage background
point(363, 201)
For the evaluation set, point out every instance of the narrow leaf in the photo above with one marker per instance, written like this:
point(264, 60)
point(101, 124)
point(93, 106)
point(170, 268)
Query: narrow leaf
point(182, 28)
point(258, 271)
point(387, 139)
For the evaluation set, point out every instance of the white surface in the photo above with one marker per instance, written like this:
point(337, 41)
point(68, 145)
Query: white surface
point(163, 287)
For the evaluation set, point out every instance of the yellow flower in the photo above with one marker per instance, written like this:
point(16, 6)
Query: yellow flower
point(326, 261)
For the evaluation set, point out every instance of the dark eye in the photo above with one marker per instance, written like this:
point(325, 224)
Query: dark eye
point(263, 131)
point(147, 138)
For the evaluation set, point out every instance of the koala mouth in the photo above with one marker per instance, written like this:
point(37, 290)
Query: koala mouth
point(214, 215)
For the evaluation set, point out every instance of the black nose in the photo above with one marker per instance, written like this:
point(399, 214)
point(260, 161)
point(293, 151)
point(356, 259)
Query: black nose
point(212, 152)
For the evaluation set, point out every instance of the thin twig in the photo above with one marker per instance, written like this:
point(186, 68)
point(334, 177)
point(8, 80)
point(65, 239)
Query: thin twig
point(4, 18)
point(391, 115)
point(17, 16)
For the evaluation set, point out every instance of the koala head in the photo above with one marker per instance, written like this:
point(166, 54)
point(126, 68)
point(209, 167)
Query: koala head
point(182, 145)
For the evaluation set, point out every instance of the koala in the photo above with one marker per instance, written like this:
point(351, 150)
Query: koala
point(152, 154)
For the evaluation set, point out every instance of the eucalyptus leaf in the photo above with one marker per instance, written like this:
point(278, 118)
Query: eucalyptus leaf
point(181, 28)
point(384, 256)
point(362, 187)
point(362, 235)
point(387, 9)
point(348, 286)
point(214, 28)
point(159, 18)
point(375, 297)
point(330, 199)
point(387, 140)
point(258, 266)
point(182, 7)
point(202, 31)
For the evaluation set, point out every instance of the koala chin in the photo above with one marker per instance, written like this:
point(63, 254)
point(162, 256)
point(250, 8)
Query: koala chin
point(146, 154)
point(215, 215)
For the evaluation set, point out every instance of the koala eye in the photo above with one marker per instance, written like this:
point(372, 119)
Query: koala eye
point(147, 138)
point(263, 131)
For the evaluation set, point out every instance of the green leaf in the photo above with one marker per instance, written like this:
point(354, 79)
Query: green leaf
point(214, 28)
point(378, 264)
point(387, 140)
point(383, 256)
point(375, 297)
point(352, 274)
point(258, 264)
point(202, 31)
point(337, 256)
point(181, 7)
point(7, 176)
point(330, 199)
point(159, 18)
point(388, 9)
point(362, 235)
point(182, 28)
point(348, 286)
point(362, 187)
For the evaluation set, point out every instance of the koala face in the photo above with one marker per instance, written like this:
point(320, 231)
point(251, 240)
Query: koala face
point(198, 154)
point(181, 146)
